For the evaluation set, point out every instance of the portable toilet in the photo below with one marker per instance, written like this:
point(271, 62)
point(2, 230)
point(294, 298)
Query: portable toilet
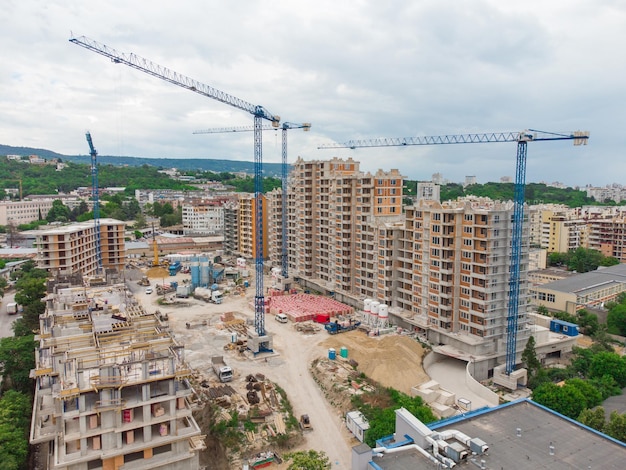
point(332, 354)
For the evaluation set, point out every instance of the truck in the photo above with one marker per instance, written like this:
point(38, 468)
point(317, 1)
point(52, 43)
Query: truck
point(12, 308)
point(305, 423)
point(208, 295)
point(223, 372)
point(336, 327)
point(174, 268)
point(183, 291)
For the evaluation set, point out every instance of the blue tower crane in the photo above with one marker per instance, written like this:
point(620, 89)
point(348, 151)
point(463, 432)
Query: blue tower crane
point(259, 113)
point(95, 195)
point(522, 139)
point(284, 167)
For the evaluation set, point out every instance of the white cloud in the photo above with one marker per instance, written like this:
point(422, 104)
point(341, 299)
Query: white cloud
point(359, 69)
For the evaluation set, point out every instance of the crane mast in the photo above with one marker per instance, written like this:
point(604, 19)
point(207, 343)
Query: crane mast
point(259, 113)
point(522, 139)
point(284, 179)
point(96, 198)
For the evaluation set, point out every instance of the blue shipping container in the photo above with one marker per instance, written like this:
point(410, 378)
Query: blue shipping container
point(564, 327)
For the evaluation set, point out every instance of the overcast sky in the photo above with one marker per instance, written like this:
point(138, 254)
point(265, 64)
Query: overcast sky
point(355, 69)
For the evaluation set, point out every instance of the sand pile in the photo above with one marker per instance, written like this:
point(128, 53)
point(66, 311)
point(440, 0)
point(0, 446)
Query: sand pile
point(393, 361)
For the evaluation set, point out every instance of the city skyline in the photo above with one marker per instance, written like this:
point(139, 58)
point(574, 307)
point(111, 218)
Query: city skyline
point(355, 71)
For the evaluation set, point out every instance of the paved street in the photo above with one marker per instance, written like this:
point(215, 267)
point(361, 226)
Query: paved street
point(6, 320)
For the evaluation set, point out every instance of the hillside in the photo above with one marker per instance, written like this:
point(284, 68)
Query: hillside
point(183, 164)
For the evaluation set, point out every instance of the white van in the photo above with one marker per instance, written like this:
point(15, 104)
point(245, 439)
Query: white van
point(281, 317)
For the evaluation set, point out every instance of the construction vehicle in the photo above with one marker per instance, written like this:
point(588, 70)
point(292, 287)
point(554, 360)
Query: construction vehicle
point(223, 372)
point(208, 295)
point(174, 268)
point(336, 327)
point(183, 291)
point(305, 423)
point(144, 281)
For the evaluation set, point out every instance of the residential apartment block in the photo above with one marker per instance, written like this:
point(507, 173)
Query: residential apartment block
point(443, 269)
point(24, 212)
point(203, 217)
point(247, 226)
point(71, 248)
point(331, 203)
point(557, 228)
point(111, 388)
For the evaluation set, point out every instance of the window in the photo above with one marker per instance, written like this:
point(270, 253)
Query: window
point(162, 449)
point(467, 242)
point(436, 241)
point(436, 228)
point(465, 279)
point(468, 217)
point(551, 298)
point(467, 229)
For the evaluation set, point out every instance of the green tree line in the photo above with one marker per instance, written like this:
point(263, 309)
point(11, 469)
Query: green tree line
point(17, 359)
point(535, 193)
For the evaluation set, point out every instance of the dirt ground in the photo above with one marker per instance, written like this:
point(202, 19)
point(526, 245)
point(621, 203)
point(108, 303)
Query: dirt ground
point(393, 361)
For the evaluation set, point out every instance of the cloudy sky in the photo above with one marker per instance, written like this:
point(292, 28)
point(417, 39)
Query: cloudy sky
point(355, 69)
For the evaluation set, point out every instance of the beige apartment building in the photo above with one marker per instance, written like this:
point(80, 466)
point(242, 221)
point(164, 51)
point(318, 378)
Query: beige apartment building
point(24, 212)
point(111, 387)
point(441, 268)
point(332, 205)
point(460, 257)
point(68, 249)
point(247, 226)
point(557, 228)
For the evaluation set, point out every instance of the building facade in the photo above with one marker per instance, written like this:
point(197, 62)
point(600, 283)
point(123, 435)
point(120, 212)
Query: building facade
point(443, 269)
point(24, 212)
point(111, 388)
point(71, 248)
point(331, 204)
point(203, 217)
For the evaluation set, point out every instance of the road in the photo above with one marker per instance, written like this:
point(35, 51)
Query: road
point(6, 321)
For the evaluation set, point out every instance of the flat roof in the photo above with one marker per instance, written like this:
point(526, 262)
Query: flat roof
point(588, 281)
point(575, 445)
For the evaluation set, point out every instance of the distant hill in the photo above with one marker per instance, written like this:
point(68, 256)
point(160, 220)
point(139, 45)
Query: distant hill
point(203, 164)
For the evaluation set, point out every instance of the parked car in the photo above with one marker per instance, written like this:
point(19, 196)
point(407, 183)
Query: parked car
point(148, 290)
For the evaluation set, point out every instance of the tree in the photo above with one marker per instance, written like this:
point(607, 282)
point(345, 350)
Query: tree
point(583, 260)
point(616, 320)
point(616, 427)
point(594, 418)
point(15, 412)
point(59, 212)
point(308, 460)
point(588, 322)
point(529, 357)
point(14, 237)
point(567, 400)
point(17, 359)
point(3, 286)
point(608, 363)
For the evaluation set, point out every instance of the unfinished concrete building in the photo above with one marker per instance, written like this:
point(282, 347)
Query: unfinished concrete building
point(111, 388)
